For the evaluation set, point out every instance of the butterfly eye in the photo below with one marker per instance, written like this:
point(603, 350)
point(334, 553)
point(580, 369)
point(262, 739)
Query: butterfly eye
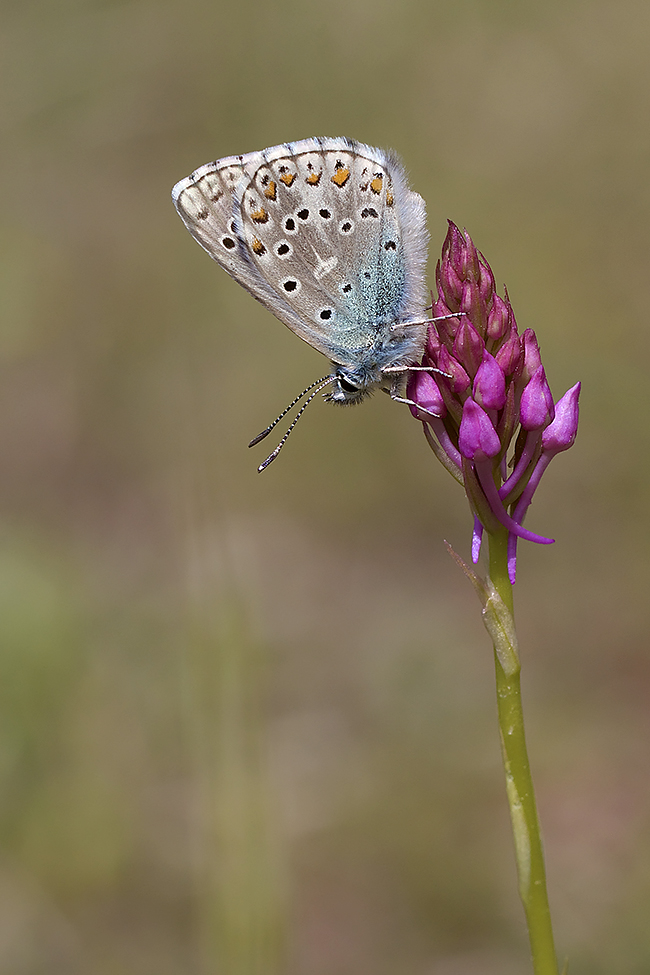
point(346, 386)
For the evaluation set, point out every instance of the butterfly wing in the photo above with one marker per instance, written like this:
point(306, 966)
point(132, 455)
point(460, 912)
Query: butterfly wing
point(333, 228)
point(325, 233)
point(204, 202)
point(207, 205)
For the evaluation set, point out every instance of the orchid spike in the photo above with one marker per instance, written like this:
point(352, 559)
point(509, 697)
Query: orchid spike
point(496, 426)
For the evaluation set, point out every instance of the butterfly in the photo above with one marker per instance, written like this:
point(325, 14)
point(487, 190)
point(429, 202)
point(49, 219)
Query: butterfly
point(327, 235)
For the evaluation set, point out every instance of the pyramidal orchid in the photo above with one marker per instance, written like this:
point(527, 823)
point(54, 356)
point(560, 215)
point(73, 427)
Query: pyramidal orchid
point(488, 414)
point(487, 408)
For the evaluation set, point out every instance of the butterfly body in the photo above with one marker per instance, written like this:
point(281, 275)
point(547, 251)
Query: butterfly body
point(328, 236)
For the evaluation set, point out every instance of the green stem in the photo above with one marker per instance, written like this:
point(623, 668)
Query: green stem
point(519, 785)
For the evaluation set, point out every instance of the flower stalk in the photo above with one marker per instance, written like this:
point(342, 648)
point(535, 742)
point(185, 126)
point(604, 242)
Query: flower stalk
point(526, 832)
point(490, 418)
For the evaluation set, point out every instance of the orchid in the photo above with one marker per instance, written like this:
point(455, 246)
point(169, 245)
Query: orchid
point(486, 405)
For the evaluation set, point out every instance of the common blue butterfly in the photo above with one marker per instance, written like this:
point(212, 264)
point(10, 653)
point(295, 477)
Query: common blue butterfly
point(327, 234)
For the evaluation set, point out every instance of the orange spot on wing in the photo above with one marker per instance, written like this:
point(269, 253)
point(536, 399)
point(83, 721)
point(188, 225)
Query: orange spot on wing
point(390, 199)
point(271, 191)
point(341, 176)
point(287, 178)
point(258, 246)
point(376, 183)
point(313, 179)
point(259, 216)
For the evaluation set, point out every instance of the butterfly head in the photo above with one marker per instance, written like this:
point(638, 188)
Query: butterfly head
point(349, 386)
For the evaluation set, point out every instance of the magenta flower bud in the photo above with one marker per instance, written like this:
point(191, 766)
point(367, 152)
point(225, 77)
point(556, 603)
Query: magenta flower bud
point(433, 345)
point(536, 409)
point(497, 323)
point(444, 327)
point(561, 433)
point(468, 346)
point(486, 280)
point(489, 384)
point(469, 263)
point(459, 381)
point(440, 309)
point(454, 245)
point(532, 356)
point(423, 390)
point(449, 284)
point(477, 438)
point(510, 356)
point(473, 305)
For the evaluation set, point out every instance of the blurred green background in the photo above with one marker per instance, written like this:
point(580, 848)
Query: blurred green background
point(247, 723)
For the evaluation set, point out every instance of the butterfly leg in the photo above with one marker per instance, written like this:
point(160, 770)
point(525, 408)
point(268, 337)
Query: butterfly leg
point(410, 402)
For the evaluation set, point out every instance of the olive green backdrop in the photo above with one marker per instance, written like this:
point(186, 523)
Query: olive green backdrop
point(247, 722)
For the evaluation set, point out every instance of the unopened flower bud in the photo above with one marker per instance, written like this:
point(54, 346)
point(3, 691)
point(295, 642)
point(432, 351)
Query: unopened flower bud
point(477, 438)
point(459, 381)
point(532, 356)
point(445, 327)
point(510, 356)
point(489, 384)
point(536, 409)
point(486, 280)
point(423, 390)
point(497, 323)
point(468, 346)
point(470, 264)
point(474, 306)
point(449, 284)
point(561, 433)
point(454, 246)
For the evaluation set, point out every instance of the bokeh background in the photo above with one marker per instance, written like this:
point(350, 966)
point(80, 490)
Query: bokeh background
point(247, 723)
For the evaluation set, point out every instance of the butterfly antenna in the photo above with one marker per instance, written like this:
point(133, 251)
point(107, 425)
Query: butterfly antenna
point(272, 426)
point(323, 382)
